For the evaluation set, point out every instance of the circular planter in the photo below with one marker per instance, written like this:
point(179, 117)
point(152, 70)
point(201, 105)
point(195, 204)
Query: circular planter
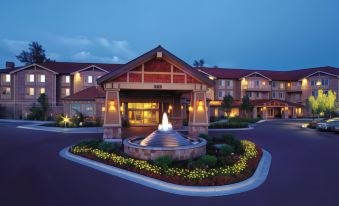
point(133, 149)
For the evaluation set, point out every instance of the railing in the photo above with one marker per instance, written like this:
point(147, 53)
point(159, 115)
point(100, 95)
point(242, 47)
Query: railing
point(255, 87)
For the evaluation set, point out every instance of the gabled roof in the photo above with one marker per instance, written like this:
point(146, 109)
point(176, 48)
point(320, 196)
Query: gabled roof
point(150, 55)
point(91, 93)
point(72, 67)
point(292, 75)
point(32, 65)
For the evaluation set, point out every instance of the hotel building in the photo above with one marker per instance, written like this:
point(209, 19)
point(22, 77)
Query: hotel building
point(139, 91)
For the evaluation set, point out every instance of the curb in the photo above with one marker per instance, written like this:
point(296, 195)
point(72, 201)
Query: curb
point(231, 129)
point(90, 130)
point(251, 183)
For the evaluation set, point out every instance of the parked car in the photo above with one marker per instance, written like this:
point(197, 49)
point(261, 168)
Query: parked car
point(336, 129)
point(328, 125)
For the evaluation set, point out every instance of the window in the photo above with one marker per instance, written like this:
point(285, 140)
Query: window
point(220, 94)
point(273, 95)
point(67, 79)
point(257, 94)
point(31, 78)
point(6, 91)
point(7, 78)
point(281, 85)
point(67, 92)
point(312, 82)
point(42, 90)
point(229, 83)
point(281, 95)
point(42, 78)
point(75, 108)
point(251, 83)
point(249, 94)
point(90, 79)
point(257, 82)
point(325, 82)
point(89, 110)
point(315, 93)
point(230, 93)
point(222, 82)
point(30, 91)
point(273, 84)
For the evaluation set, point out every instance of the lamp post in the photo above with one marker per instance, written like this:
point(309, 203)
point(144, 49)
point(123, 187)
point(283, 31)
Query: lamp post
point(66, 120)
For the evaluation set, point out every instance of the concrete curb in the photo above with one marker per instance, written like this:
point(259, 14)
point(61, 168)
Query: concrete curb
point(251, 183)
point(231, 129)
point(91, 130)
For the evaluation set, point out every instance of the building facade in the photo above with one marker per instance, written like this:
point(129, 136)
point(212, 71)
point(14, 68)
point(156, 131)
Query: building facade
point(138, 92)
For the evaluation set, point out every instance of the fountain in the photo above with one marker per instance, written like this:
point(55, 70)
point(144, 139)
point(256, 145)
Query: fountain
point(164, 141)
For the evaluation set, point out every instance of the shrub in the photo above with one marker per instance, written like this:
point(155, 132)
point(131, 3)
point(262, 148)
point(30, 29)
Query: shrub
point(229, 124)
point(205, 161)
point(230, 140)
point(89, 143)
point(205, 136)
point(108, 147)
point(226, 150)
point(163, 161)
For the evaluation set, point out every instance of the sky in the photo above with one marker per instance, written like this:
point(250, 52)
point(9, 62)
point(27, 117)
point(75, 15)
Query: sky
point(260, 34)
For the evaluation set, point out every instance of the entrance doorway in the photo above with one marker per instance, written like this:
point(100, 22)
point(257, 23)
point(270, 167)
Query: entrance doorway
point(143, 114)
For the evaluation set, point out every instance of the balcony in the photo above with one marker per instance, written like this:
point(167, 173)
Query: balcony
point(257, 87)
point(293, 88)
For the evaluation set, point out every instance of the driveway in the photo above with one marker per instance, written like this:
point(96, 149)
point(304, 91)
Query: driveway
point(304, 171)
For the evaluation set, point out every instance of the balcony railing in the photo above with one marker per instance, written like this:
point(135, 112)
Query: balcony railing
point(257, 87)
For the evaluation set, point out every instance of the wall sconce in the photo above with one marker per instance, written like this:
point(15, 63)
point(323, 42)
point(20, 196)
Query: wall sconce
point(318, 83)
point(200, 105)
point(103, 109)
point(263, 83)
point(288, 84)
point(286, 108)
point(112, 106)
point(264, 108)
point(190, 108)
point(182, 107)
point(121, 109)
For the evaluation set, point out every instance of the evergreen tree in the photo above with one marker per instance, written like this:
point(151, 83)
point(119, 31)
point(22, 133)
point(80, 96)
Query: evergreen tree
point(35, 54)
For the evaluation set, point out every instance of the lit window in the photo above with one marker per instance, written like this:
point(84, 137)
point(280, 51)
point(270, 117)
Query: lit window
point(30, 91)
point(67, 79)
point(31, 78)
point(67, 92)
point(90, 79)
point(281, 85)
point(8, 78)
point(6, 91)
point(42, 90)
point(42, 78)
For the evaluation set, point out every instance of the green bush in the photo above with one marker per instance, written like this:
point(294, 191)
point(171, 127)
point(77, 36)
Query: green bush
point(108, 147)
point(163, 161)
point(226, 150)
point(205, 161)
point(232, 141)
point(89, 143)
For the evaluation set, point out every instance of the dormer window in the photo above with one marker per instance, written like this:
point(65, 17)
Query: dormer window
point(7, 78)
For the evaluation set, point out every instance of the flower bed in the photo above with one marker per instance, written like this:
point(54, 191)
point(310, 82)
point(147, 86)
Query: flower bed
point(242, 169)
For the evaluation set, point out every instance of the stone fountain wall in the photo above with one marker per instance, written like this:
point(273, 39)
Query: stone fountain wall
point(178, 153)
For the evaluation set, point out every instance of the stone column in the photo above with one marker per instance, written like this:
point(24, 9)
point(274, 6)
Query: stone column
point(112, 120)
point(285, 113)
point(176, 117)
point(198, 117)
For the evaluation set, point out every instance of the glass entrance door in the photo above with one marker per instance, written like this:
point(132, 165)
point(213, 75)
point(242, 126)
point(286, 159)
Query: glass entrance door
point(143, 113)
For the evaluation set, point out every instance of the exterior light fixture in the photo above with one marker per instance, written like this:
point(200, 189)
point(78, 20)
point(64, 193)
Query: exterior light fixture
point(286, 108)
point(288, 84)
point(264, 108)
point(66, 120)
point(200, 105)
point(182, 107)
point(263, 83)
point(112, 105)
point(103, 109)
point(190, 108)
point(318, 83)
point(170, 107)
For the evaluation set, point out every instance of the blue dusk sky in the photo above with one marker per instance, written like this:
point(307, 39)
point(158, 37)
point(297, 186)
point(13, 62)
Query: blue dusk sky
point(260, 34)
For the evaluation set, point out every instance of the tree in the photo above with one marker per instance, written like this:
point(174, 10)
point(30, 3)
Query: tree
point(39, 112)
point(246, 104)
point(321, 100)
point(226, 104)
point(330, 102)
point(35, 54)
point(199, 63)
point(313, 105)
point(44, 106)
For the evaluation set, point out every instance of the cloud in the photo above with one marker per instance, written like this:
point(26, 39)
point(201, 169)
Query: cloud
point(74, 48)
point(87, 56)
point(13, 47)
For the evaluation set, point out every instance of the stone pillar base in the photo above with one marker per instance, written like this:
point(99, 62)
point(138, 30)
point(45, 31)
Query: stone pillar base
point(112, 133)
point(196, 130)
point(176, 122)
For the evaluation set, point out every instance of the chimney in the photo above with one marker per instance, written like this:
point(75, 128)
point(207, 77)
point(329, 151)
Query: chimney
point(10, 65)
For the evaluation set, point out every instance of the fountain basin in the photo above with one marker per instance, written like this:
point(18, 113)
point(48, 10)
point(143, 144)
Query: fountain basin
point(133, 148)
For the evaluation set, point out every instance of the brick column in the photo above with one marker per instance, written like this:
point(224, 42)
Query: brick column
point(112, 120)
point(176, 116)
point(255, 112)
point(198, 117)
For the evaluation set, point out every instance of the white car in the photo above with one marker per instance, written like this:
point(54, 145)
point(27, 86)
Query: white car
point(328, 125)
